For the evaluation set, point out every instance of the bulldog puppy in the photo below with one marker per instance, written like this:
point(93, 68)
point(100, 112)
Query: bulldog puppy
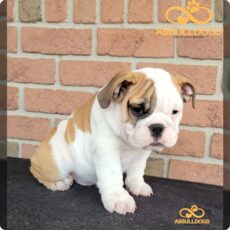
point(114, 133)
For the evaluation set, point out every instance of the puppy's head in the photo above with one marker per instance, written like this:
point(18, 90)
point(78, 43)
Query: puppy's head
point(144, 107)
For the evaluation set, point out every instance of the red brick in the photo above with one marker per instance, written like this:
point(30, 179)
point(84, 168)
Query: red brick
point(201, 14)
point(55, 11)
point(112, 11)
point(12, 98)
point(133, 42)
point(11, 39)
point(56, 41)
point(84, 11)
point(226, 40)
point(163, 5)
point(29, 128)
point(28, 150)
point(206, 114)
point(31, 70)
point(196, 172)
point(203, 77)
point(10, 10)
point(89, 73)
point(140, 11)
point(185, 145)
point(217, 145)
point(208, 47)
point(54, 101)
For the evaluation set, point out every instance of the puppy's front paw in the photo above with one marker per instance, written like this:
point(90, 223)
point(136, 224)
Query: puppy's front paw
point(119, 201)
point(139, 188)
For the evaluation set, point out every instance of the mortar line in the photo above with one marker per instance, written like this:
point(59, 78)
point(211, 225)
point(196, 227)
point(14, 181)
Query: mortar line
point(201, 129)
point(21, 97)
point(19, 40)
point(20, 150)
point(166, 168)
point(188, 158)
point(22, 141)
point(155, 12)
point(133, 66)
point(33, 114)
point(208, 136)
point(57, 72)
point(107, 58)
point(126, 14)
point(43, 14)
point(16, 12)
point(183, 3)
point(213, 9)
point(126, 25)
point(98, 12)
point(94, 43)
point(52, 122)
point(70, 8)
point(90, 89)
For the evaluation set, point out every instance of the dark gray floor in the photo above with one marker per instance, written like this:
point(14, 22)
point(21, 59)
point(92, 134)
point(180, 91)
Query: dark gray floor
point(32, 207)
point(3, 193)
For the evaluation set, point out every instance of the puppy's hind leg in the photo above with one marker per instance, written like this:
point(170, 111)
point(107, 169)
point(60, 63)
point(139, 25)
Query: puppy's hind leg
point(54, 184)
point(61, 185)
point(45, 169)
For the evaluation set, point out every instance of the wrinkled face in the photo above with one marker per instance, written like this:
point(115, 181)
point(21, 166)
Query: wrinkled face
point(146, 106)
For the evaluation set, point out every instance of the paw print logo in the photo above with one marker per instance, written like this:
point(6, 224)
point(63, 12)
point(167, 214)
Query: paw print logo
point(194, 211)
point(188, 13)
point(193, 6)
point(194, 208)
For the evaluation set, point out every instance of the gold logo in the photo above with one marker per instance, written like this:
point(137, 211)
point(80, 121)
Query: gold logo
point(194, 211)
point(193, 6)
point(192, 215)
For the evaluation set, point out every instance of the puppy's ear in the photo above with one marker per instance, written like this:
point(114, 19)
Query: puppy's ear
point(116, 88)
point(186, 88)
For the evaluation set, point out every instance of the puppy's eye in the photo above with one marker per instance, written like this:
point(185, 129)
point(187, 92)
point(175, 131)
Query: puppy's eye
point(175, 111)
point(137, 109)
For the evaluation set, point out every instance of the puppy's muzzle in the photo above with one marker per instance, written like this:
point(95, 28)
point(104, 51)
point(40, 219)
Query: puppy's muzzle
point(156, 130)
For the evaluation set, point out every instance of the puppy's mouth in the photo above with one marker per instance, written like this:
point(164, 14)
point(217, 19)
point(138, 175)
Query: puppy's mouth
point(157, 144)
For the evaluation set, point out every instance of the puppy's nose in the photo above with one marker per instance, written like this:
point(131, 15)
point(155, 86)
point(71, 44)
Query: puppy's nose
point(156, 130)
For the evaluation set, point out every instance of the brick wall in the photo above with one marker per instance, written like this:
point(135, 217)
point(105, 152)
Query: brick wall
point(60, 52)
point(227, 97)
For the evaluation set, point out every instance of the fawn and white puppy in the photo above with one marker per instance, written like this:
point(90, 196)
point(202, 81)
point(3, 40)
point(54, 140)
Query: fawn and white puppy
point(114, 133)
